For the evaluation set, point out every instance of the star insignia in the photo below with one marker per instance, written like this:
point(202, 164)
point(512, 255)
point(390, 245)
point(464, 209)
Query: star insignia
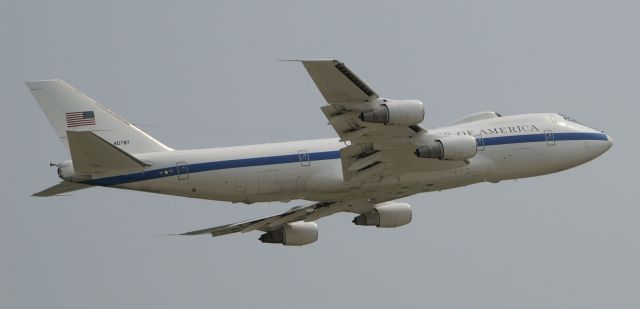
point(165, 172)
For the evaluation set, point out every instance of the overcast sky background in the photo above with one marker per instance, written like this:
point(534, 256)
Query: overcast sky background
point(205, 74)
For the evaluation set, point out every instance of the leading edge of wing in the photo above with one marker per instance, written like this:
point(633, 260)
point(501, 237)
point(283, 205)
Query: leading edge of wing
point(308, 60)
point(336, 82)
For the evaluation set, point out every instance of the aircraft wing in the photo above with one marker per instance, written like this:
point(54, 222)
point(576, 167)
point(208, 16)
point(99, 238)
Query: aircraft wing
point(274, 222)
point(372, 150)
point(337, 83)
point(347, 95)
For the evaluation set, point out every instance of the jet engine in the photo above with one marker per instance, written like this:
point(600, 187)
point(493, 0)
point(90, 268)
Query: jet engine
point(389, 214)
point(292, 234)
point(398, 112)
point(453, 148)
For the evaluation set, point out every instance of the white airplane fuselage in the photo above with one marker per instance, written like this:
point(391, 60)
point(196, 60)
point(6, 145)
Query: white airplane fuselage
point(380, 155)
point(509, 147)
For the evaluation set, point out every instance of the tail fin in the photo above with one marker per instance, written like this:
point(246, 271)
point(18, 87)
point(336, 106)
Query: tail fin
point(70, 110)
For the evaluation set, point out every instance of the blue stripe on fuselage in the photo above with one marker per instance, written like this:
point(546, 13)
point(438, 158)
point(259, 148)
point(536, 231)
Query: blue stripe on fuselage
point(314, 156)
point(211, 166)
point(531, 138)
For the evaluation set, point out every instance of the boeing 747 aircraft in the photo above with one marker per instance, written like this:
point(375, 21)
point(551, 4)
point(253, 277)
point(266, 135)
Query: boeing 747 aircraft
point(382, 154)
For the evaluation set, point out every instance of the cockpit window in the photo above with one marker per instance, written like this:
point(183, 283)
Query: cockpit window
point(570, 119)
point(567, 118)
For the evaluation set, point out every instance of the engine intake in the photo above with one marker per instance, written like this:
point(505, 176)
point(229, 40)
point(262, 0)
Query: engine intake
point(292, 234)
point(453, 148)
point(396, 112)
point(389, 214)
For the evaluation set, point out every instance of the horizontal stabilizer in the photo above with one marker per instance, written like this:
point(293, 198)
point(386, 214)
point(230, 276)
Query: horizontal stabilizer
point(91, 154)
point(62, 187)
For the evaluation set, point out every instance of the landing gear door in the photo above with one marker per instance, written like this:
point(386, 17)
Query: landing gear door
point(182, 169)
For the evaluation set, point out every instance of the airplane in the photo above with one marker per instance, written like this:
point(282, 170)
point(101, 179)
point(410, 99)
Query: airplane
point(381, 154)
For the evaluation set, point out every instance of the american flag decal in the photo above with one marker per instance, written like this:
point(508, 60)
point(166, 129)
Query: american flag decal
point(76, 119)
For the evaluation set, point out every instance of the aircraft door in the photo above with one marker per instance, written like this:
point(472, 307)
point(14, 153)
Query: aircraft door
point(479, 142)
point(303, 155)
point(549, 138)
point(182, 169)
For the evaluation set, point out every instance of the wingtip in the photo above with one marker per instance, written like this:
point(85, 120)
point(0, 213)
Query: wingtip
point(166, 235)
point(36, 84)
point(308, 60)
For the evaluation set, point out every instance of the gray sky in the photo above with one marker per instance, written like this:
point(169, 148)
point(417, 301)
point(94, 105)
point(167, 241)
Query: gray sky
point(205, 74)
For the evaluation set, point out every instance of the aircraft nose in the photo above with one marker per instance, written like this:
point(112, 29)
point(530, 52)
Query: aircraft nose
point(605, 145)
point(600, 146)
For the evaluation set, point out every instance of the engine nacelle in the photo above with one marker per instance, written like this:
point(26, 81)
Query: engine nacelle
point(292, 234)
point(453, 148)
point(389, 214)
point(398, 112)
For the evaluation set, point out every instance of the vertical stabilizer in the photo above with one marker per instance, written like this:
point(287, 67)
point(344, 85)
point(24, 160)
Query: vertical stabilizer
point(70, 110)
